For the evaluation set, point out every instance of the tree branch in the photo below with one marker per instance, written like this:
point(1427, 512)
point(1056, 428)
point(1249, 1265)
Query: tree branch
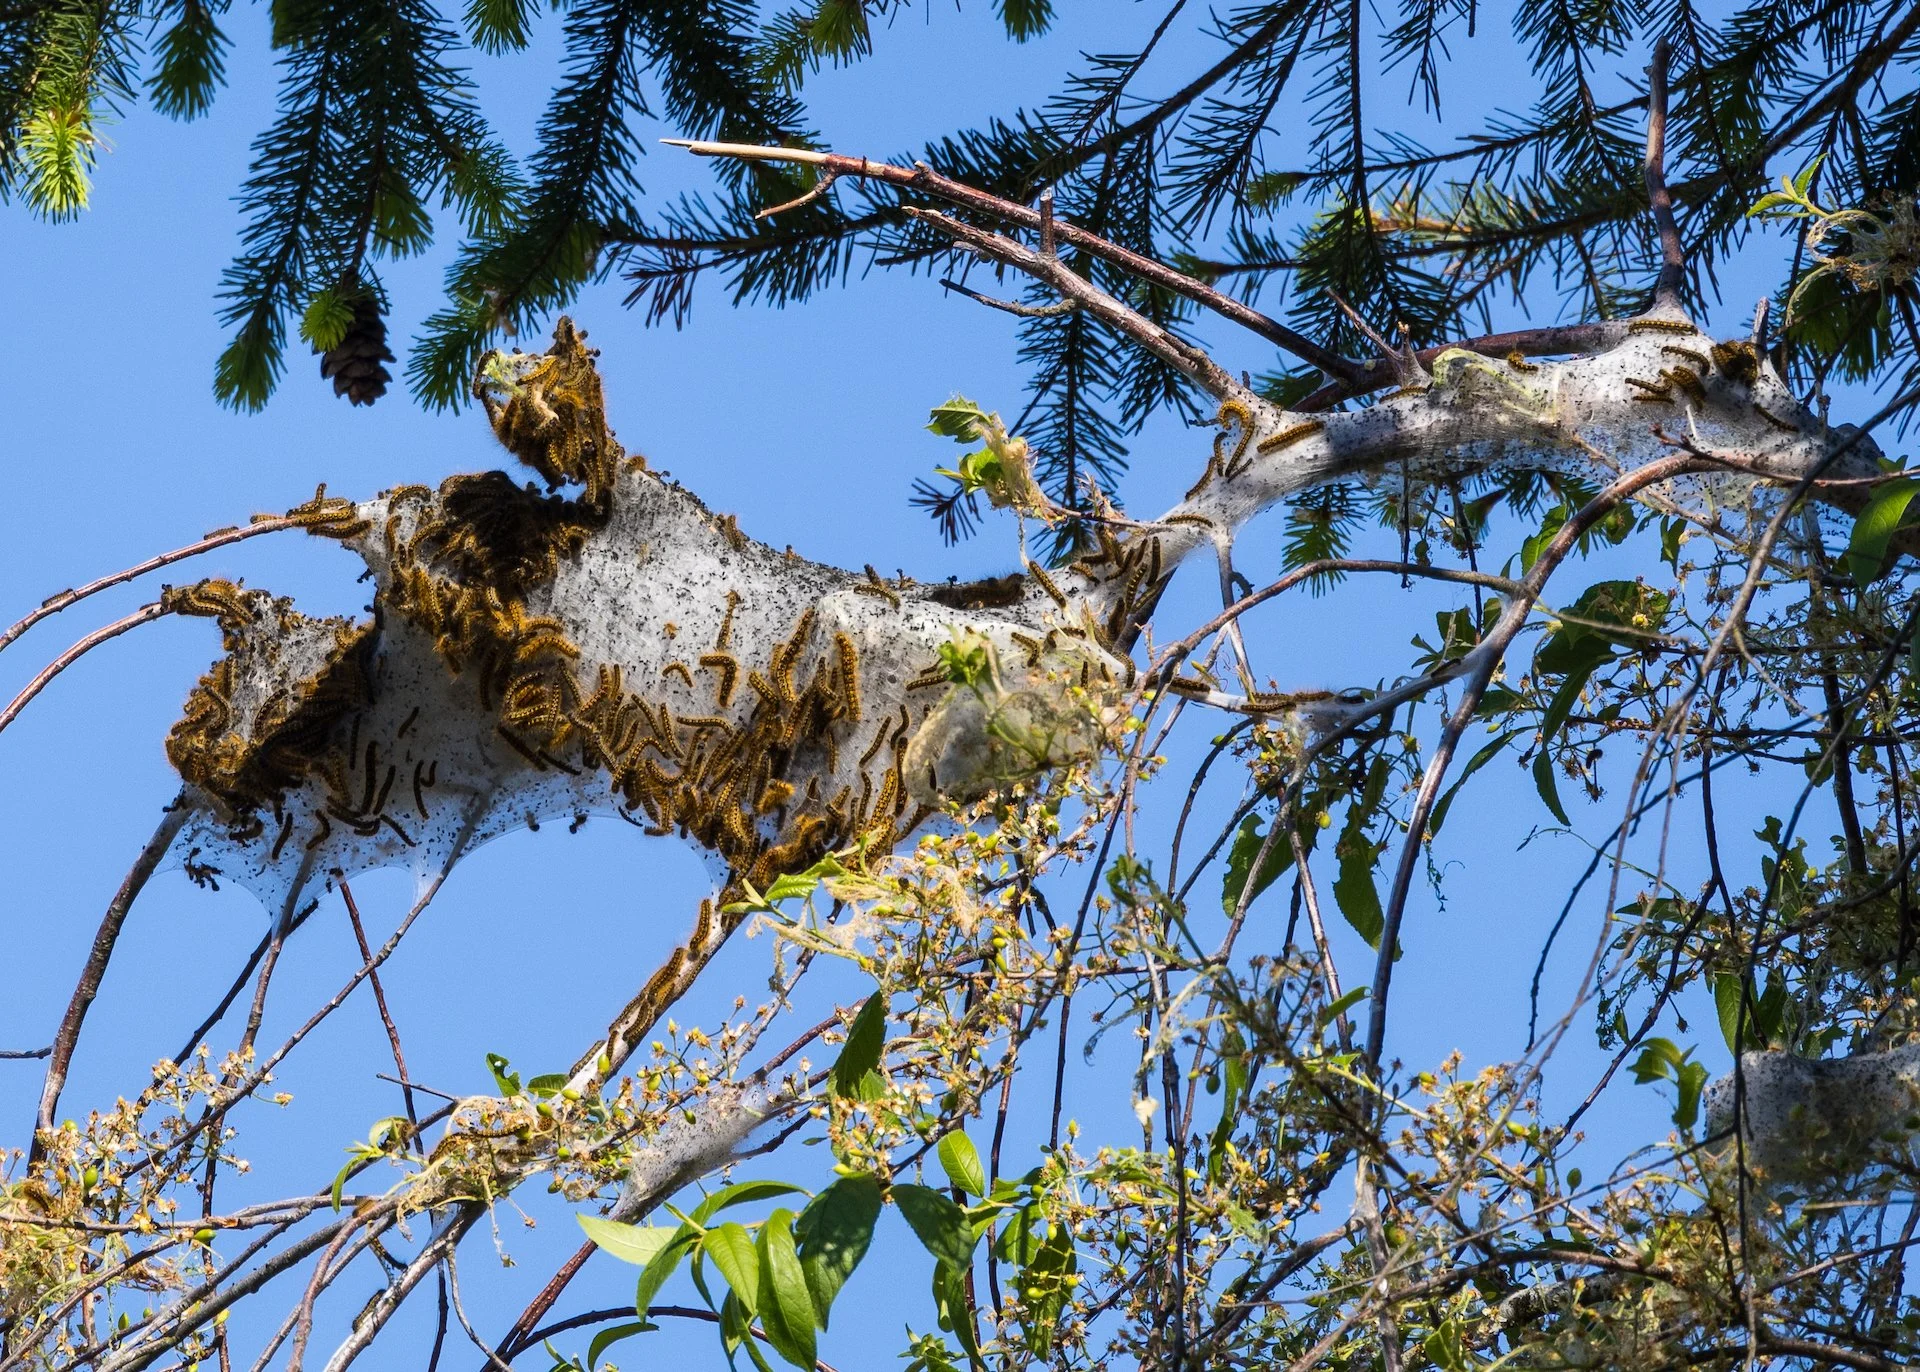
point(928, 182)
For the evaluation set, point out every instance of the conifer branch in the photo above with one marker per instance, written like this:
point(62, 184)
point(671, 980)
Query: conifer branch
point(925, 180)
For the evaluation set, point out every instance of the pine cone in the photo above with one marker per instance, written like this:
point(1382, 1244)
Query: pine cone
point(354, 365)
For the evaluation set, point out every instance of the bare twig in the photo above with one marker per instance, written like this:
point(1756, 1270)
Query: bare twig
point(55, 604)
point(1013, 307)
point(380, 1000)
point(925, 180)
point(1163, 344)
point(820, 188)
point(145, 614)
point(88, 986)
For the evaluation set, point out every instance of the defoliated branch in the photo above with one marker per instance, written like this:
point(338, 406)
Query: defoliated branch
point(1183, 357)
point(929, 182)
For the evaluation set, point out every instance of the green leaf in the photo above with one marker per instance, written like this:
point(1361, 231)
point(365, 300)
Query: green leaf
point(941, 1226)
point(1729, 996)
point(340, 1181)
point(547, 1084)
point(1341, 1006)
point(1236, 1076)
point(961, 1162)
point(661, 1266)
point(613, 1334)
point(497, 26)
point(189, 63)
point(959, 419)
point(955, 1311)
point(1803, 183)
point(1875, 527)
point(834, 1232)
point(1246, 847)
point(1354, 892)
point(1564, 699)
point(742, 1193)
point(1044, 1288)
point(787, 1305)
point(1543, 781)
point(508, 1082)
point(866, 1041)
point(634, 1243)
point(787, 887)
point(732, 1250)
point(1479, 760)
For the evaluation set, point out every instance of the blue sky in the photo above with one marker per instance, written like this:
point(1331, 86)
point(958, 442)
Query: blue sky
point(805, 423)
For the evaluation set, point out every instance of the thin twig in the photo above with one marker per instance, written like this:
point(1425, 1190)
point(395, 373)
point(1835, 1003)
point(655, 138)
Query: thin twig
point(925, 180)
point(380, 1000)
point(53, 605)
point(88, 986)
point(145, 614)
point(1189, 361)
point(1014, 307)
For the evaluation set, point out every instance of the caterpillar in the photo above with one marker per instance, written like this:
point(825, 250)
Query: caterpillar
point(763, 688)
point(849, 675)
point(1739, 360)
point(407, 723)
point(1518, 361)
point(326, 831)
point(1045, 583)
point(1700, 361)
point(1289, 436)
point(680, 667)
point(1232, 411)
point(1687, 380)
point(720, 640)
point(773, 795)
point(875, 589)
point(728, 668)
point(286, 829)
point(729, 528)
point(1660, 326)
point(1652, 390)
point(514, 742)
point(1775, 419)
point(1198, 521)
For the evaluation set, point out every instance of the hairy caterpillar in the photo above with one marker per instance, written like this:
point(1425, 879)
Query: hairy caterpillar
point(1518, 361)
point(1232, 411)
point(849, 675)
point(685, 673)
point(1660, 326)
point(728, 668)
point(1700, 361)
point(1045, 583)
point(1739, 360)
point(1775, 419)
point(1289, 436)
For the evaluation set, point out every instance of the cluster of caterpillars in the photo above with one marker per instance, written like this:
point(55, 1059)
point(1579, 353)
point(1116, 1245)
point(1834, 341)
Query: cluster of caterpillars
point(1737, 360)
point(1236, 424)
point(248, 763)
